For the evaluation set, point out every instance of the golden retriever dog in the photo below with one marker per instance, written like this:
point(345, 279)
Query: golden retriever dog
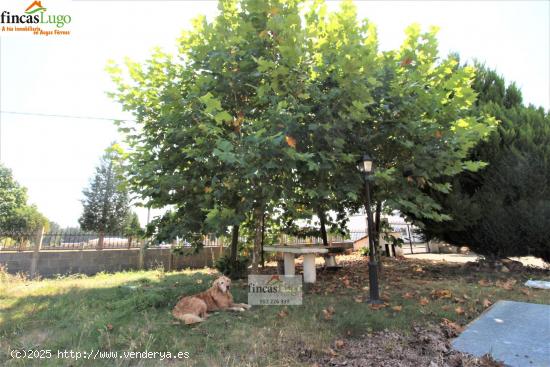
point(192, 309)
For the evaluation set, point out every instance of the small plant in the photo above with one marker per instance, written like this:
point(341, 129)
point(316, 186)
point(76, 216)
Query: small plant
point(234, 271)
point(6, 277)
point(364, 251)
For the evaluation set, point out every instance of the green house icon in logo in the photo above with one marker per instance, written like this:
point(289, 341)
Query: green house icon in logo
point(275, 279)
point(36, 6)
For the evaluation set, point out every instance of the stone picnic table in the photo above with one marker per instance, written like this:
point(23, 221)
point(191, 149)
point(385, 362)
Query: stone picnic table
point(309, 253)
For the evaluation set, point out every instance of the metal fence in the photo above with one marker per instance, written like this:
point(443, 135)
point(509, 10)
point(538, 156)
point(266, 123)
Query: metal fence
point(285, 239)
point(413, 242)
point(81, 240)
point(65, 240)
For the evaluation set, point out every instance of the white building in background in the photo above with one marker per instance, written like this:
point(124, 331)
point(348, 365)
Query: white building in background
point(358, 223)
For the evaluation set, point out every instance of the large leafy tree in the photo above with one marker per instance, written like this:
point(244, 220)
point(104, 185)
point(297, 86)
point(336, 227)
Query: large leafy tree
point(15, 214)
point(106, 201)
point(12, 196)
point(420, 128)
point(212, 125)
point(342, 69)
point(268, 107)
point(504, 209)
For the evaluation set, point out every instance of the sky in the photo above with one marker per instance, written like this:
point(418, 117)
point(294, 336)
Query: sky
point(65, 75)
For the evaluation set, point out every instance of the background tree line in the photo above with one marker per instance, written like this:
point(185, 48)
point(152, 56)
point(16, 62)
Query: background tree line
point(106, 204)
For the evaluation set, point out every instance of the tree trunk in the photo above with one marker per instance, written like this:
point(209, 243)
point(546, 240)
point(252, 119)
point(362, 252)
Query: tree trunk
point(100, 240)
point(258, 212)
point(263, 235)
point(234, 244)
point(322, 219)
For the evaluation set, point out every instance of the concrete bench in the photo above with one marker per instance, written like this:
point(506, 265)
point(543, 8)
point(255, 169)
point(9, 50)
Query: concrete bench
point(330, 257)
point(309, 253)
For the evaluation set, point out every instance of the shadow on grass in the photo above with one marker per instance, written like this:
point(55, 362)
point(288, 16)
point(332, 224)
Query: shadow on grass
point(91, 313)
point(88, 313)
point(130, 315)
point(132, 311)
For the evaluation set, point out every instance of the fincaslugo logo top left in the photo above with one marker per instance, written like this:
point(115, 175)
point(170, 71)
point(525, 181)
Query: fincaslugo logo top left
point(36, 18)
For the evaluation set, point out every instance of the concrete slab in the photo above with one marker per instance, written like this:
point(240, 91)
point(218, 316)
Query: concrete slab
point(516, 333)
point(464, 258)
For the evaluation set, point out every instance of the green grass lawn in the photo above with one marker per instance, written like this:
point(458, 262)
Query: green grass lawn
point(130, 311)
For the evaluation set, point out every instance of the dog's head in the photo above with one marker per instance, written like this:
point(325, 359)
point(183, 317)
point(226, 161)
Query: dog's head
point(223, 284)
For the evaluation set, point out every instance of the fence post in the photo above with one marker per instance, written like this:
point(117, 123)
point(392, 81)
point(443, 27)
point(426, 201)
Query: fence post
point(170, 260)
point(21, 246)
point(142, 247)
point(221, 247)
point(36, 253)
point(410, 238)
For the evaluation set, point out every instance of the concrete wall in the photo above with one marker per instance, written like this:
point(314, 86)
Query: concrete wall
point(92, 261)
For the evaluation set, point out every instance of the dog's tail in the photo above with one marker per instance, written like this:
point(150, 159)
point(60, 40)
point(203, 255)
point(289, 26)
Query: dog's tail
point(188, 318)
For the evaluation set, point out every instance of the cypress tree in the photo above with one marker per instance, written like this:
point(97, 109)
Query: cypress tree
point(106, 203)
point(503, 209)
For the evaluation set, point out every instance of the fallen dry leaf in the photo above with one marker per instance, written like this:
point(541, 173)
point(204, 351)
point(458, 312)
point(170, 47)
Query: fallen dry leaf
point(330, 351)
point(508, 285)
point(283, 313)
point(525, 291)
point(487, 303)
point(424, 301)
point(328, 312)
point(358, 299)
point(385, 297)
point(408, 295)
point(377, 306)
point(397, 308)
point(453, 325)
point(459, 310)
point(339, 343)
point(441, 293)
point(109, 326)
point(484, 283)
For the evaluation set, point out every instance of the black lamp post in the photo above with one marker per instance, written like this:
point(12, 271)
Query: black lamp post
point(365, 165)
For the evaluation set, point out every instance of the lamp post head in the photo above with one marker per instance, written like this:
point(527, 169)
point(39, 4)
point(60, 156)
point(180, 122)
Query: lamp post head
point(365, 164)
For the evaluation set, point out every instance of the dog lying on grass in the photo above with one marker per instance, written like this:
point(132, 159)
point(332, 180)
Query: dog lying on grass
point(193, 309)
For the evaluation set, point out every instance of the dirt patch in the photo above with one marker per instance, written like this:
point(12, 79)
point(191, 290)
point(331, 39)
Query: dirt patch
point(427, 346)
